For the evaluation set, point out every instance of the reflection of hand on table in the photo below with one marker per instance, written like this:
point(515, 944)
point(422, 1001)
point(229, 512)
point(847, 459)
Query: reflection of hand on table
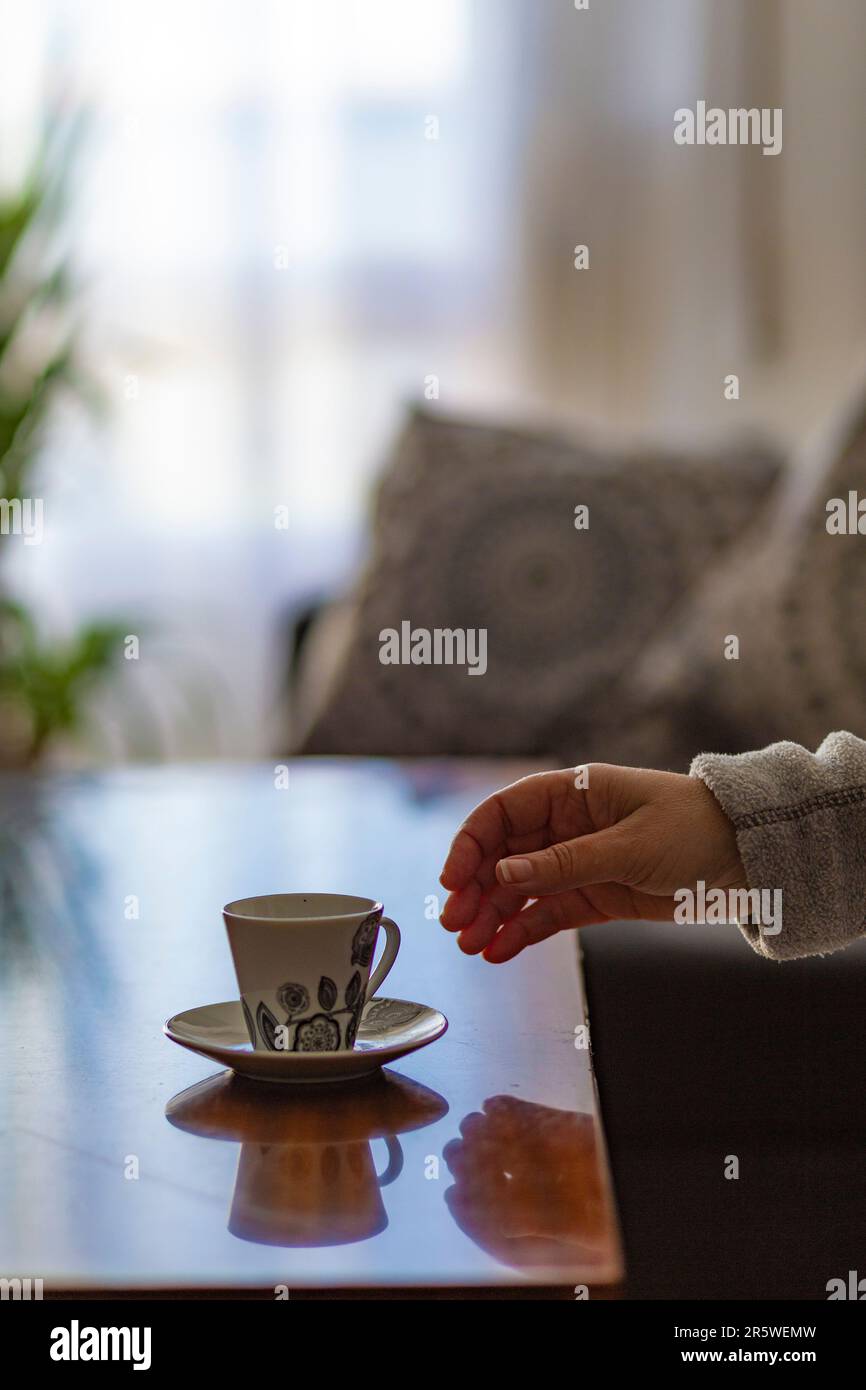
point(527, 1187)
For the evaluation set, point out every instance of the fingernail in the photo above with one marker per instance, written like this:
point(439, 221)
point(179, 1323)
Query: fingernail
point(515, 870)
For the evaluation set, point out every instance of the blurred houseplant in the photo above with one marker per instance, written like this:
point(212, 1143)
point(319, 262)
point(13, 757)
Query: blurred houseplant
point(43, 681)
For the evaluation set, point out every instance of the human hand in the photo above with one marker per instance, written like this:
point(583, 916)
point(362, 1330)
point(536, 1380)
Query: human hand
point(547, 854)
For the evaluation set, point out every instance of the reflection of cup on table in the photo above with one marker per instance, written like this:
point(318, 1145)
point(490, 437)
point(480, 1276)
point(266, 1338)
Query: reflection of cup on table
point(306, 1174)
point(311, 1194)
point(303, 965)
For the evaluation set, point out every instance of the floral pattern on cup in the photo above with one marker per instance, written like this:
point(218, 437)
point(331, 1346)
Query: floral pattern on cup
point(317, 1034)
point(293, 998)
point(320, 1031)
point(364, 940)
point(268, 1026)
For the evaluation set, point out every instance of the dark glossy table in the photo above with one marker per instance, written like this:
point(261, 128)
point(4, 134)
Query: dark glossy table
point(130, 1164)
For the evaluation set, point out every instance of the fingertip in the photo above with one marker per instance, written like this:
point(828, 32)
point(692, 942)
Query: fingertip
point(500, 955)
point(461, 862)
point(493, 950)
point(449, 917)
point(449, 878)
point(508, 942)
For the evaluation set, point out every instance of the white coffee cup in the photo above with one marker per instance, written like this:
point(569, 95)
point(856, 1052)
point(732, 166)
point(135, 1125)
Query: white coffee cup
point(303, 966)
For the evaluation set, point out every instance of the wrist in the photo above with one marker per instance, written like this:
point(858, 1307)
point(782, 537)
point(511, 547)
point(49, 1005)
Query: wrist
point(727, 869)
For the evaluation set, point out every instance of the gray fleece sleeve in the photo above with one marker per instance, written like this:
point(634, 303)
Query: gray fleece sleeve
point(800, 821)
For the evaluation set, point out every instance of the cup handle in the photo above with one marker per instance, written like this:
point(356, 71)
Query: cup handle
point(395, 1161)
point(389, 955)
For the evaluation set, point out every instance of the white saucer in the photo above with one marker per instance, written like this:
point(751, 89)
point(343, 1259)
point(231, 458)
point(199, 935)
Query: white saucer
point(389, 1028)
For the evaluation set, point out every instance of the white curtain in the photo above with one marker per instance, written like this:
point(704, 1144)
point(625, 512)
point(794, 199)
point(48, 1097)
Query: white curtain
point(703, 262)
point(275, 257)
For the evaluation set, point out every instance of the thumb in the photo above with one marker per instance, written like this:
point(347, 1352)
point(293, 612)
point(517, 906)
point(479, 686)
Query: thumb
point(599, 858)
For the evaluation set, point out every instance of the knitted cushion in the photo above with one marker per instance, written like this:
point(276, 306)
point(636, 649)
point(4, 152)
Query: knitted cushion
point(474, 527)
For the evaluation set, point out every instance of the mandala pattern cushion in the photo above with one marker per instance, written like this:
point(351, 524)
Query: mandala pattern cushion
point(474, 527)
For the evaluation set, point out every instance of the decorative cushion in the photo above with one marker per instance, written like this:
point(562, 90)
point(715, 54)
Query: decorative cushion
point(794, 594)
point(475, 528)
